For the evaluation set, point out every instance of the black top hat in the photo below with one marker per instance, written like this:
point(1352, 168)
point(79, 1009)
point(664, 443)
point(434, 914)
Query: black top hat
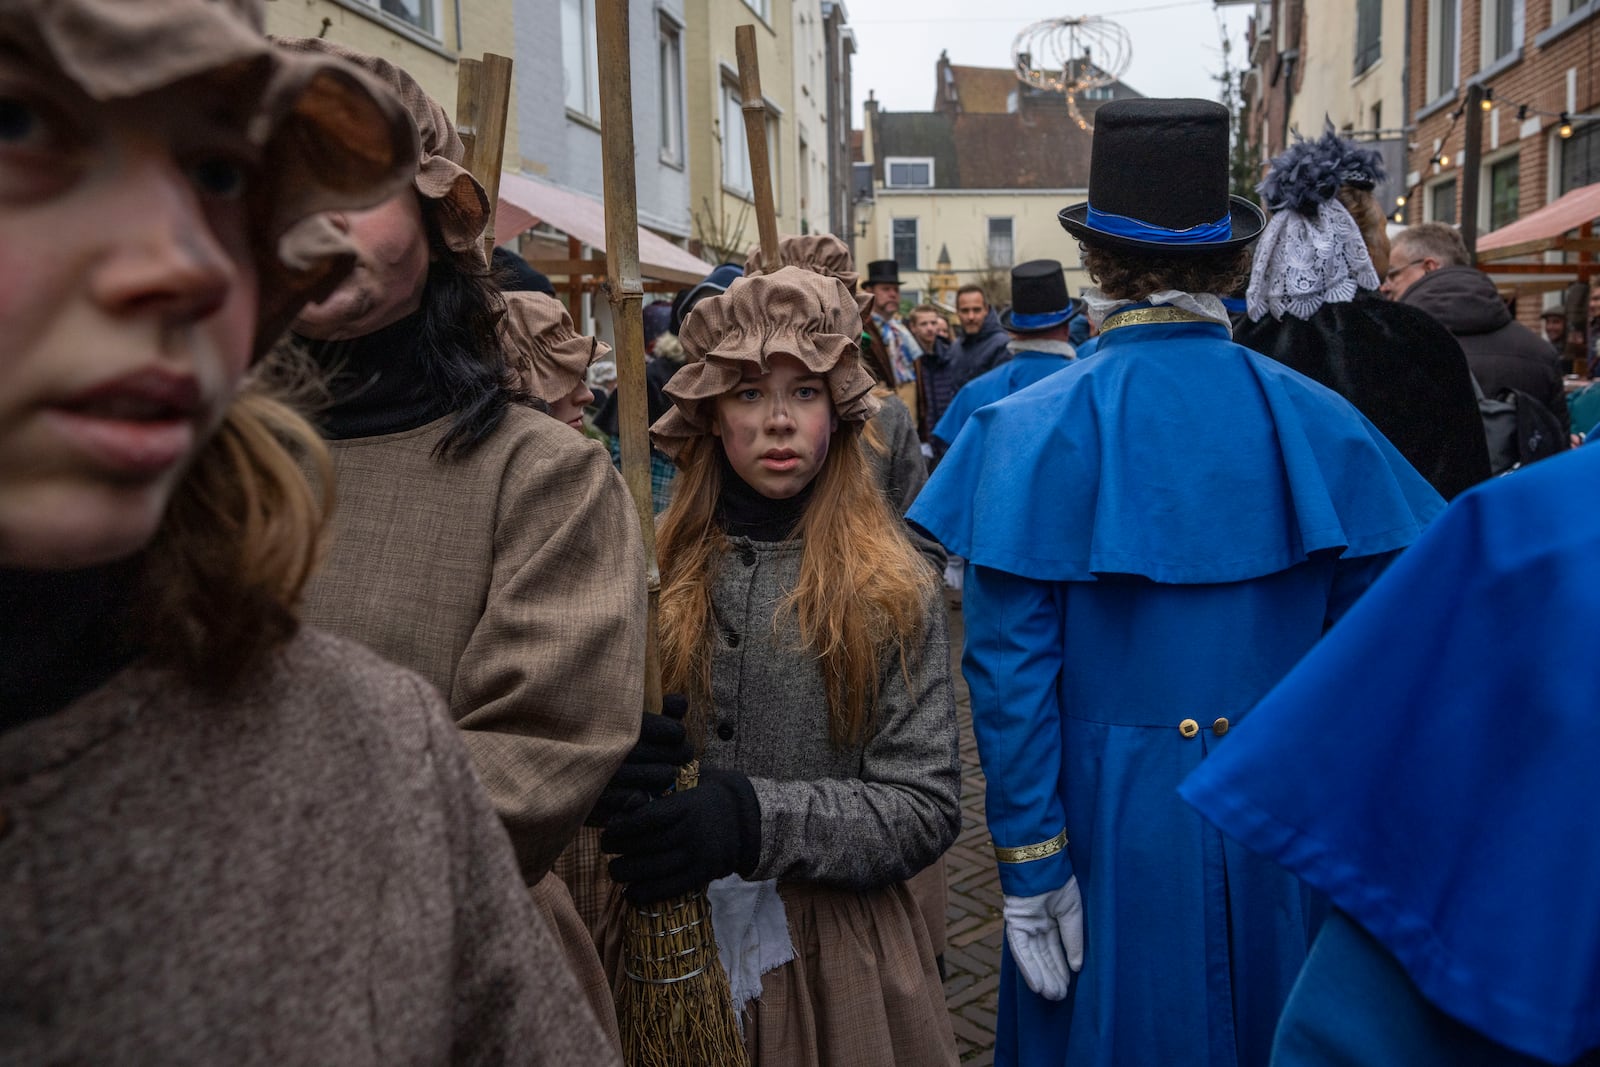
point(1158, 181)
point(1039, 299)
point(881, 272)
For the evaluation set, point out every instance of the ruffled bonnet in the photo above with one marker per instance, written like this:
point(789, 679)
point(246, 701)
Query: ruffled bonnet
point(792, 311)
point(1312, 252)
point(820, 252)
point(461, 203)
point(334, 138)
point(541, 342)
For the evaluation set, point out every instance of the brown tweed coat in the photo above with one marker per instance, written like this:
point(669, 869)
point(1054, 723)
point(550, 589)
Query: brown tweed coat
point(513, 579)
point(305, 871)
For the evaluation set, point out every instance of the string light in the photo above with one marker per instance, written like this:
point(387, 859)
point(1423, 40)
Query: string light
point(1487, 103)
point(1565, 129)
point(1399, 201)
point(1444, 159)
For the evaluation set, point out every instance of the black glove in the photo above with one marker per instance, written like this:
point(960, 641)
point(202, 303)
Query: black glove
point(652, 767)
point(683, 841)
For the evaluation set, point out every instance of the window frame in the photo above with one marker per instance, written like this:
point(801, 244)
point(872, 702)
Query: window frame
point(890, 162)
point(669, 43)
point(432, 7)
point(1486, 171)
point(1582, 136)
point(1373, 24)
point(916, 241)
point(731, 104)
point(1011, 240)
point(1430, 196)
point(1438, 88)
point(589, 101)
point(1487, 56)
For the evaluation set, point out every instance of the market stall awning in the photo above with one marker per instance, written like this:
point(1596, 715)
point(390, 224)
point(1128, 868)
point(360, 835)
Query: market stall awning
point(1545, 230)
point(525, 201)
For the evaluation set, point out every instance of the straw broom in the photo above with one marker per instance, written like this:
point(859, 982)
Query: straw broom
point(675, 1008)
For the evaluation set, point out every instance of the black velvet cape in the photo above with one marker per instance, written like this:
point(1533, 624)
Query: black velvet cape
point(1400, 368)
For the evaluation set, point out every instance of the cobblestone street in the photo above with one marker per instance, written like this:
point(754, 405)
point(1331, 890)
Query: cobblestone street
point(972, 958)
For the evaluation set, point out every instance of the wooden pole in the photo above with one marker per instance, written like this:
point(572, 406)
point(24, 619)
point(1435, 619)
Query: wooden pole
point(625, 292)
point(483, 100)
point(1471, 161)
point(755, 135)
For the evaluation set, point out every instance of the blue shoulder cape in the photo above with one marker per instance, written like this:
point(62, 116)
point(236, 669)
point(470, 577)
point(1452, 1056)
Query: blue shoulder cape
point(1018, 372)
point(1431, 765)
point(1177, 455)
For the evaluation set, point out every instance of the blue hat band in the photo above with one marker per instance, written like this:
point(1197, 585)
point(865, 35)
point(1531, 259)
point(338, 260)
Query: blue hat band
point(1122, 226)
point(1042, 321)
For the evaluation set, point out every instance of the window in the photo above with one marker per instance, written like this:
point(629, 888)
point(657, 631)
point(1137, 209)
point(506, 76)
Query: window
point(804, 160)
point(760, 7)
point(1444, 53)
point(669, 50)
point(905, 243)
point(1098, 92)
point(903, 172)
point(1369, 33)
point(580, 59)
point(1442, 202)
point(1377, 116)
point(1502, 184)
point(1002, 252)
point(735, 153)
point(1580, 157)
point(1560, 9)
point(418, 13)
point(1502, 29)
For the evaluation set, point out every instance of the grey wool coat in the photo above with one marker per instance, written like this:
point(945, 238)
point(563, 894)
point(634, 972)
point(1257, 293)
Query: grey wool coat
point(304, 871)
point(856, 818)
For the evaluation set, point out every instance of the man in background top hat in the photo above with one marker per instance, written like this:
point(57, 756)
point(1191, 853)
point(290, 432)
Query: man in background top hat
point(1153, 537)
point(1040, 323)
point(890, 349)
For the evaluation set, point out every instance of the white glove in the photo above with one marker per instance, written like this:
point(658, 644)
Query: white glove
point(1046, 937)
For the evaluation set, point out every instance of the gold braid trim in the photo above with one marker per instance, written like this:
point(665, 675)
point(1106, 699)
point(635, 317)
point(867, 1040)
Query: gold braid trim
point(1027, 853)
point(1148, 317)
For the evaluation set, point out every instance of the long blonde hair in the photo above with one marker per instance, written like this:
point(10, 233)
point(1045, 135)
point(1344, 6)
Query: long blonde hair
point(862, 591)
point(239, 540)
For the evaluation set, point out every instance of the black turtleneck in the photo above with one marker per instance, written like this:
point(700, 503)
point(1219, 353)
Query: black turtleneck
point(380, 382)
point(64, 634)
point(742, 511)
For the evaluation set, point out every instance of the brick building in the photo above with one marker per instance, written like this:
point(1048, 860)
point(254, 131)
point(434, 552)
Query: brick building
point(1538, 58)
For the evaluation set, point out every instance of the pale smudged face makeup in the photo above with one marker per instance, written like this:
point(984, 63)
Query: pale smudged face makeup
point(127, 306)
point(775, 427)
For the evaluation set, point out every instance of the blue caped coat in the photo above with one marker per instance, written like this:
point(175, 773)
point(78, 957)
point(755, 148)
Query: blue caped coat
point(1448, 804)
point(1154, 537)
point(1022, 370)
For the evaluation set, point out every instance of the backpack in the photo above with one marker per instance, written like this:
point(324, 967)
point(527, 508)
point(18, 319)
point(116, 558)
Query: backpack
point(1519, 429)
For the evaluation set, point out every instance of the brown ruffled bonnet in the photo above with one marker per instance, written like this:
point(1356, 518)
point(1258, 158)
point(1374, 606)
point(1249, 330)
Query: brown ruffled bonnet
point(792, 311)
point(333, 138)
point(820, 252)
point(461, 203)
point(541, 342)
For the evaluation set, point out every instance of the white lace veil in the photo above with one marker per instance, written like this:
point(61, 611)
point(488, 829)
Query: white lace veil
point(1305, 261)
point(1311, 252)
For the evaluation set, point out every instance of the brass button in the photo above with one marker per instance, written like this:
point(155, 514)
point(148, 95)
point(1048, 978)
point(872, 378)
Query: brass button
point(1220, 727)
point(1189, 728)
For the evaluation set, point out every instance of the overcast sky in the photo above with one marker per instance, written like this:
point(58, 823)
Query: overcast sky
point(1177, 46)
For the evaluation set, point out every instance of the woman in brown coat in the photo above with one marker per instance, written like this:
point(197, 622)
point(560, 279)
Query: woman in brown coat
point(477, 541)
point(223, 838)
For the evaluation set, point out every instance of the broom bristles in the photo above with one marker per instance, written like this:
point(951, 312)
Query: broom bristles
point(675, 1008)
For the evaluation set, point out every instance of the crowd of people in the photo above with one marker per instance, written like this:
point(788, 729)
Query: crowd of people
point(1285, 761)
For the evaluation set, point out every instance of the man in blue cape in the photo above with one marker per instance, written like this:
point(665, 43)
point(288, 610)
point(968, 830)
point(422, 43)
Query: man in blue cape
point(1040, 322)
point(1154, 537)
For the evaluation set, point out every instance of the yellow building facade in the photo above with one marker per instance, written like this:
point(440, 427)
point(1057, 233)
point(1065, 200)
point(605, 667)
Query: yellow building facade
point(721, 202)
point(426, 38)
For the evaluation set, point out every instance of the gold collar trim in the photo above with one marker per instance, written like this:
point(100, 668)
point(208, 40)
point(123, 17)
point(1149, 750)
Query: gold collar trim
point(1026, 853)
point(1149, 317)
